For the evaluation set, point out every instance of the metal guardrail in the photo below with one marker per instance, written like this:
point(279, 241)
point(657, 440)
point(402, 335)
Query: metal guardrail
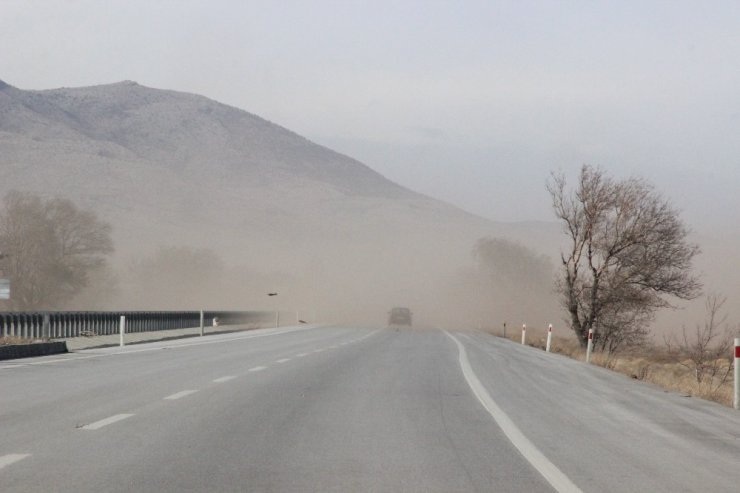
point(61, 325)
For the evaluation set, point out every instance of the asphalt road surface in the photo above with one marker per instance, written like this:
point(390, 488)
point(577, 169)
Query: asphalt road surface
point(348, 409)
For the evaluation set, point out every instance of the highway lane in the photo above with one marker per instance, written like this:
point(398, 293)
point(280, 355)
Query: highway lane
point(341, 409)
point(326, 409)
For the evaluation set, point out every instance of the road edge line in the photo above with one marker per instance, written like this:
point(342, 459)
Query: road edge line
point(554, 476)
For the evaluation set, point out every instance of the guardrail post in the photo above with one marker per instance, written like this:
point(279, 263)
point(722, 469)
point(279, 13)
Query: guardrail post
point(736, 403)
point(549, 338)
point(524, 333)
point(46, 326)
point(122, 329)
point(202, 325)
point(590, 346)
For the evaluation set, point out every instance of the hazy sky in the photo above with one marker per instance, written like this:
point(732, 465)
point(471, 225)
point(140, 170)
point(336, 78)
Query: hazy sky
point(473, 102)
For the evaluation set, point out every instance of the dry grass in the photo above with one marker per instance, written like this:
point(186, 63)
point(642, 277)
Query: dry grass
point(653, 365)
point(7, 341)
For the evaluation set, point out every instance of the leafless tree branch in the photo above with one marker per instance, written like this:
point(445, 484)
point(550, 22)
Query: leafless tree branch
point(628, 252)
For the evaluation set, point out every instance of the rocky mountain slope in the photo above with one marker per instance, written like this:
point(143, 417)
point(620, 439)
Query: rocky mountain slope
point(169, 168)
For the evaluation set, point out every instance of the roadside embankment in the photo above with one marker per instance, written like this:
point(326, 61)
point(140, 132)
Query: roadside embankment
point(669, 370)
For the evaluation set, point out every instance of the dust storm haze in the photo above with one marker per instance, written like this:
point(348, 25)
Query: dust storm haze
point(213, 207)
point(407, 161)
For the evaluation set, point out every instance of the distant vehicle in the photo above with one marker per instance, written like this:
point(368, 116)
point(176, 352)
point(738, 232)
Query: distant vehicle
point(399, 316)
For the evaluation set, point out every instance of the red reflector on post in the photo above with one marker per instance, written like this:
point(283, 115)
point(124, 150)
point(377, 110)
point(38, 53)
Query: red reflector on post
point(737, 351)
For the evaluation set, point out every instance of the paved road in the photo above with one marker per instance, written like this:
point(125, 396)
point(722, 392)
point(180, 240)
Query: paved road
point(341, 409)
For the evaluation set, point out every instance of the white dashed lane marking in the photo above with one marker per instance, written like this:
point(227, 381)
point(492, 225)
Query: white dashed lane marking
point(105, 422)
point(224, 379)
point(6, 460)
point(284, 360)
point(258, 368)
point(180, 395)
point(301, 355)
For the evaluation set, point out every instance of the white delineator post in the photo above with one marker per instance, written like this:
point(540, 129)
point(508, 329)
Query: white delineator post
point(524, 333)
point(590, 346)
point(202, 324)
point(122, 329)
point(549, 338)
point(736, 403)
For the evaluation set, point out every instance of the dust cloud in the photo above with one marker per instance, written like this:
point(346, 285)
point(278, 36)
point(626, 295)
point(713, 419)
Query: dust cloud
point(453, 284)
point(448, 276)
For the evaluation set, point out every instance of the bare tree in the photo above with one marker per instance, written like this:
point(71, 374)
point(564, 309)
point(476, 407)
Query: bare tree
point(707, 351)
point(627, 250)
point(511, 263)
point(52, 247)
point(516, 281)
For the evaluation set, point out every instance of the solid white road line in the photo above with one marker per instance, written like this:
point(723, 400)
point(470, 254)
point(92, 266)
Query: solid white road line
point(252, 335)
point(6, 460)
point(47, 362)
point(61, 360)
point(284, 360)
point(180, 395)
point(105, 422)
point(173, 345)
point(224, 379)
point(258, 368)
point(549, 471)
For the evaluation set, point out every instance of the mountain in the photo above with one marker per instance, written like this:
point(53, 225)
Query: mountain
point(170, 168)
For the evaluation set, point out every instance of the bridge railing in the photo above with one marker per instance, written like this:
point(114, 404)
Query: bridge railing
point(61, 325)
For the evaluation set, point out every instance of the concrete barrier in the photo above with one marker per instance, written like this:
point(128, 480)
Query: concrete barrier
point(12, 351)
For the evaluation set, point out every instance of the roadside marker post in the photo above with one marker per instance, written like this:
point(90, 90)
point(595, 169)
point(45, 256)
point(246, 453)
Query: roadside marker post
point(524, 333)
point(736, 403)
point(549, 338)
point(202, 325)
point(590, 346)
point(122, 329)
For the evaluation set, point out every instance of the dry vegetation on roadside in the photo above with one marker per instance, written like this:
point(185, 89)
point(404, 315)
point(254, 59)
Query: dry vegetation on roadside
point(10, 340)
point(673, 370)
